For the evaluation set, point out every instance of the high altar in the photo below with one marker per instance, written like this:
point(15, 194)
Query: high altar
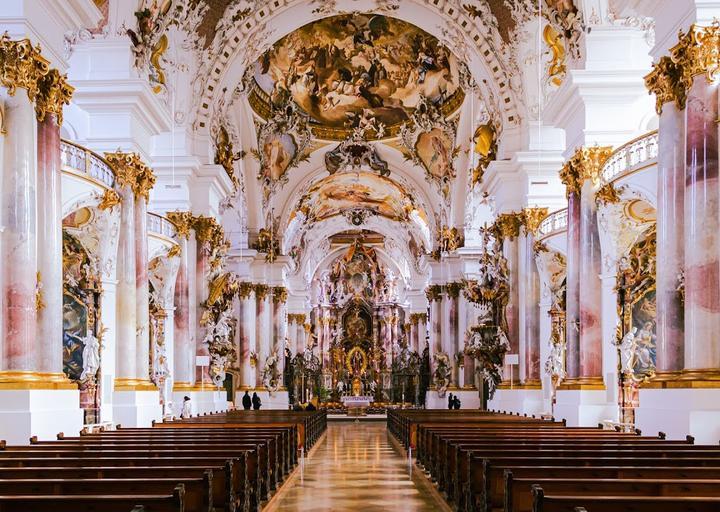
point(358, 344)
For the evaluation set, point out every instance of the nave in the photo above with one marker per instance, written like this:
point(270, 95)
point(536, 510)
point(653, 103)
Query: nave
point(357, 467)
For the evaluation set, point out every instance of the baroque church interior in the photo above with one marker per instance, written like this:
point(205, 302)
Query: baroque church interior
point(256, 254)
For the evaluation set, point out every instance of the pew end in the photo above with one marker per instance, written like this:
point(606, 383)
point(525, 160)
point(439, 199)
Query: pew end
point(34, 440)
point(690, 439)
point(3, 444)
point(662, 435)
point(60, 436)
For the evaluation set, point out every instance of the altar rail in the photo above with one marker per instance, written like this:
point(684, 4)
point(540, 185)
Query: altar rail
point(161, 226)
point(82, 160)
point(630, 157)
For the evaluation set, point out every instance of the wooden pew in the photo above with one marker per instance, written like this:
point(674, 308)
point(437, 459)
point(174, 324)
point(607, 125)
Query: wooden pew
point(569, 503)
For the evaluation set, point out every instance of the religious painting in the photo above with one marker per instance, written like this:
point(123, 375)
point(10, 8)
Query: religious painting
point(340, 68)
point(278, 152)
point(434, 149)
point(643, 320)
point(75, 330)
point(335, 194)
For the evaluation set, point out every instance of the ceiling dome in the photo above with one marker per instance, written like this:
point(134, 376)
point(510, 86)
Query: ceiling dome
point(352, 70)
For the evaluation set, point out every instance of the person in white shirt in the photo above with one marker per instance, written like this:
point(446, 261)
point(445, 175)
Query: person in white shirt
point(186, 408)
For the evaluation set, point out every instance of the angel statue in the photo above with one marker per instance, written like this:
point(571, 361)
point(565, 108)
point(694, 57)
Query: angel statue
point(628, 345)
point(91, 357)
point(271, 373)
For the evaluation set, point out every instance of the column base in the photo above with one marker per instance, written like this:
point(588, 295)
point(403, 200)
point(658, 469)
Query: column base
point(584, 407)
point(679, 412)
point(522, 400)
point(685, 379)
point(39, 412)
point(136, 408)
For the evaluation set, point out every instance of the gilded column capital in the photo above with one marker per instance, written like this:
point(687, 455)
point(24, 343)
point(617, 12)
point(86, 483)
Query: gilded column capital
point(434, 292)
point(21, 65)
point(418, 318)
point(533, 218)
point(279, 294)
point(507, 225)
point(696, 53)
point(53, 93)
point(209, 231)
point(261, 291)
point(130, 170)
point(183, 222)
point(110, 199)
point(245, 289)
point(585, 164)
point(454, 289)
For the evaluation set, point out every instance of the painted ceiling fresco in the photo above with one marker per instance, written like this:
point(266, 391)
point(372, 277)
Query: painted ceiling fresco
point(350, 191)
point(349, 68)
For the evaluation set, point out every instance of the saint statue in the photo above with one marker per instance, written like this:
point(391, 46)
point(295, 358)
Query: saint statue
point(91, 357)
point(627, 351)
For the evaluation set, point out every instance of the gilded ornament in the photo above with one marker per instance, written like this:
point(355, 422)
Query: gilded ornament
point(539, 247)
point(183, 222)
point(418, 318)
point(279, 294)
point(608, 194)
point(245, 290)
point(39, 302)
point(209, 232)
point(174, 251)
point(109, 199)
point(557, 68)
point(53, 93)
point(454, 289)
point(507, 225)
point(485, 145)
point(533, 218)
point(21, 65)
point(225, 154)
point(585, 164)
point(449, 240)
point(131, 171)
point(434, 292)
point(697, 52)
point(261, 291)
point(267, 243)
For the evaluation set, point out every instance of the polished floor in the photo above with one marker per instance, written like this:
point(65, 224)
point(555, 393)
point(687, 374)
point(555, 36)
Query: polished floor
point(356, 467)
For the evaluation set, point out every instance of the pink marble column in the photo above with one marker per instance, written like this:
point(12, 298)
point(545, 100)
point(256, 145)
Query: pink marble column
point(300, 340)
point(183, 349)
point(670, 249)
point(702, 229)
point(246, 333)
point(532, 313)
point(142, 287)
point(511, 251)
point(262, 331)
point(436, 307)
point(49, 221)
point(453, 337)
point(572, 336)
point(19, 237)
point(126, 343)
point(413, 342)
point(591, 289)
point(202, 273)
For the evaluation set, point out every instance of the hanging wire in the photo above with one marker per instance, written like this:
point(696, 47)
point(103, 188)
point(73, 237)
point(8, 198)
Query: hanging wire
point(539, 77)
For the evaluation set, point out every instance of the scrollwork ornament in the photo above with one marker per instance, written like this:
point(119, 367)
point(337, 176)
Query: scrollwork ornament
point(130, 170)
point(585, 164)
point(183, 222)
point(21, 65)
point(53, 93)
point(533, 218)
point(109, 200)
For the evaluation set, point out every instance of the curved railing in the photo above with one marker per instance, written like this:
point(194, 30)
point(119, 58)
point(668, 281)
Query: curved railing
point(84, 161)
point(630, 156)
point(553, 223)
point(160, 225)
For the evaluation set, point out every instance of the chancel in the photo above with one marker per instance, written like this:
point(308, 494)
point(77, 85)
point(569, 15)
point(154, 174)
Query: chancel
point(359, 255)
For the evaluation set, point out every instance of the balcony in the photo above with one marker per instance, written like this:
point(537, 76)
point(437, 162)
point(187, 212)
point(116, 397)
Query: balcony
point(79, 160)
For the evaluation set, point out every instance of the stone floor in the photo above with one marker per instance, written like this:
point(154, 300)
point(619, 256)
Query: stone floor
point(356, 467)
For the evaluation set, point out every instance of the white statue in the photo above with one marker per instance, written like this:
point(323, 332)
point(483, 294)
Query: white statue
point(91, 357)
point(160, 366)
point(340, 387)
point(627, 350)
point(554, 365)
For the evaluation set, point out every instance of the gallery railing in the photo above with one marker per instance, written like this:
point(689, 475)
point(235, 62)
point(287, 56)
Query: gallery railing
point(637, 154)
point(161, 226)
point(554, 223)
point(82, 160)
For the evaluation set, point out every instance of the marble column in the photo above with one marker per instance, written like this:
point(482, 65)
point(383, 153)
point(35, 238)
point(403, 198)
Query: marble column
point(670, 249)
point(262, 331)
point(453, 341)
point(591, 289)
point(142, 287)
point(531, 300)
point(183, 349)
point(510, 231)
point(19, 237)
point(202, 276)
point(126, 344)
point(279, 322)
point(412, 341)
point(435, 295)
point(49, 222)
point(572, 334)
point(702, 231)
point(301, 341)
point(247, 335)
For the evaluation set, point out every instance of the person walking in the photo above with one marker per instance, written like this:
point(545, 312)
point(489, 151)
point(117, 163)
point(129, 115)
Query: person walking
point(246, 401)
point(256, 403)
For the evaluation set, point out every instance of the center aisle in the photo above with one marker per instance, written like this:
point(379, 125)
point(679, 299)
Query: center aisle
point(357, 468)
